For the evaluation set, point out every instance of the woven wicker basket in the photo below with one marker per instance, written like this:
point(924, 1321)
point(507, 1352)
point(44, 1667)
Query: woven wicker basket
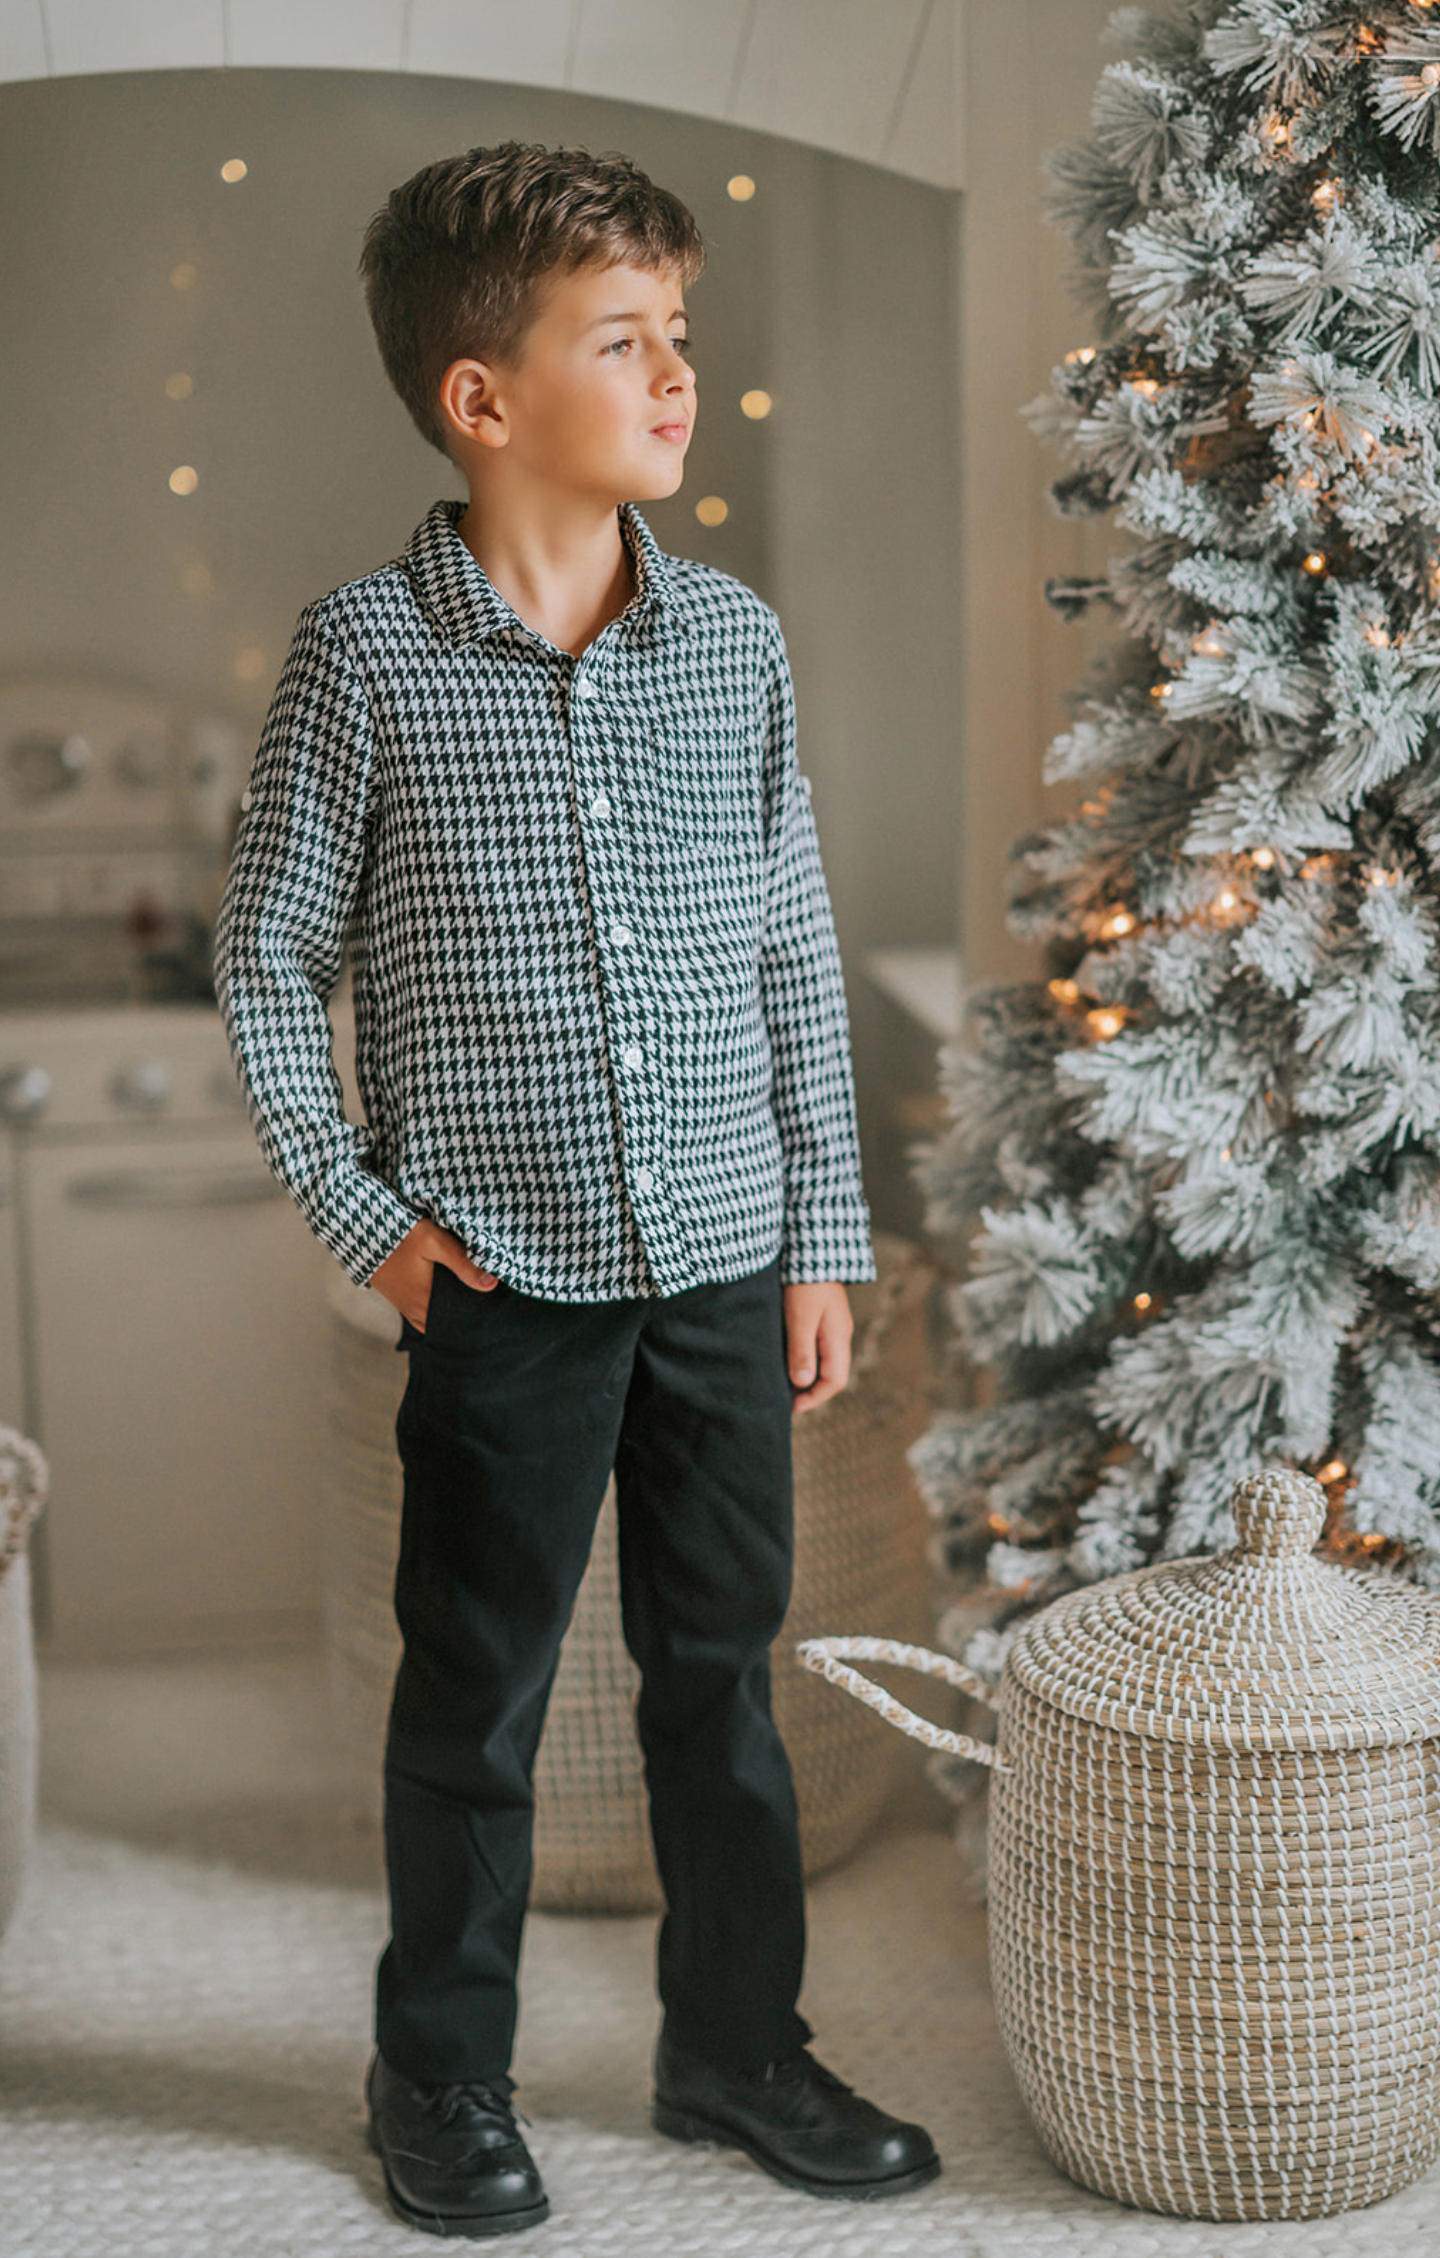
point(1215, 1871)
point(861, 1534)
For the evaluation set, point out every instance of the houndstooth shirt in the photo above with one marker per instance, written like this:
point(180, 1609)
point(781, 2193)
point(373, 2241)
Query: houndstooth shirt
point(600, 1026)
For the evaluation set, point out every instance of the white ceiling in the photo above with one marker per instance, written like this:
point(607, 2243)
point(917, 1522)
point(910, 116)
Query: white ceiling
point(875, 79)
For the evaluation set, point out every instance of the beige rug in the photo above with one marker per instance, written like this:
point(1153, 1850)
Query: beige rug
point(184, 2037)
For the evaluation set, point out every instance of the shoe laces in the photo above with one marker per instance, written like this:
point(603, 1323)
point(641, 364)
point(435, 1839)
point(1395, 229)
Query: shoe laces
point(490, 2094)
point(800, 2067)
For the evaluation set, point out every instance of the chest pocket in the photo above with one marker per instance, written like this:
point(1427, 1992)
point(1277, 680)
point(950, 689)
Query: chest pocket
point(705, 785)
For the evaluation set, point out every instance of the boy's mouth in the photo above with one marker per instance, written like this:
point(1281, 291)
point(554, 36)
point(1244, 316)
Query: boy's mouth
point(669, 430)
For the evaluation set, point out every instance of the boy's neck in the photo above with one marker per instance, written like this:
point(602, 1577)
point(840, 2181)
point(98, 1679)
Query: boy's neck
point(565, 571)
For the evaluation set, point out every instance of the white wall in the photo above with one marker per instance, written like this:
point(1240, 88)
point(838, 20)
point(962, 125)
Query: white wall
point(1030, 68)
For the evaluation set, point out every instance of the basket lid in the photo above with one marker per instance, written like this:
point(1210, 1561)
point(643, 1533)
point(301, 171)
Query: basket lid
point(1262, 1647)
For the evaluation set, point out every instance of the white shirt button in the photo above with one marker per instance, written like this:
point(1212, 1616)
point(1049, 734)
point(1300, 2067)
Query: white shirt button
point(633, 1057)
point(582, 687)
point(644, 1180)
point(600, 807)
point(621, 935)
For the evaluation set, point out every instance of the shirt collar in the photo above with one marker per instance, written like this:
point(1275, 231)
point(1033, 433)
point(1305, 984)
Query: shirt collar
point(468, 607)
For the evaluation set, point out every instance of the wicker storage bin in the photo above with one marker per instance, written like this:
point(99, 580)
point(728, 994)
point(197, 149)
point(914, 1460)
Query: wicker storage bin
point(861, 1533)
point(23, 1481)
point(1215, 1871)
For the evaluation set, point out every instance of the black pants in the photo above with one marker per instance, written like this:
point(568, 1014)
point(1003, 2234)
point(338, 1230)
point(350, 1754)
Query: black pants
point(515, 1413)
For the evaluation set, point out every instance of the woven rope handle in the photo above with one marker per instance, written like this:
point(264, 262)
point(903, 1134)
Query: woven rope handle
point(24, 1480)
point(830, 1658)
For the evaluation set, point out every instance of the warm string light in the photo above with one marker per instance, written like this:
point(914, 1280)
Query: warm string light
point(1161, 690)
point(712, 509)
point(1368, 41)
point(1327, 196)
point(1335, 1471)
point(1081, 357)
point(1146, 386)
point(1317, 866)
point(1314, 564)
point(1275, 134)
point(1264, 858)
point(756, 405)
point(1141, 1303)
point(1065, 991)
point(1105, 1023)
point(1378, 634)
point(1208, 645)
point(740, 187)
point(1116, 925)
point(1375, 876)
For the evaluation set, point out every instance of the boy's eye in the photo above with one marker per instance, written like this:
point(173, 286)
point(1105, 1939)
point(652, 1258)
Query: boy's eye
point(682, 344)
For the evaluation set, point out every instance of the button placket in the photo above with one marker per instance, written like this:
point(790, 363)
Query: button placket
point(611, 871)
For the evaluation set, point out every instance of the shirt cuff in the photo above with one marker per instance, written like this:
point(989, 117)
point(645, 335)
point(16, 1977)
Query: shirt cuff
point(363, 1225)
point(821, 1244)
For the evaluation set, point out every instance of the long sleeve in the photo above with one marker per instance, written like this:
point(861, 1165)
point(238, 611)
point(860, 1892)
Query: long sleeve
point(293, 882)
point(826, 1231)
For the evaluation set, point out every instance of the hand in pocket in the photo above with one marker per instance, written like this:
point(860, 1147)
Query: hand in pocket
point(405, 1277)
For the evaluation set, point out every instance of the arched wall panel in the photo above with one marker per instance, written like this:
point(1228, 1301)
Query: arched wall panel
point(873, 79)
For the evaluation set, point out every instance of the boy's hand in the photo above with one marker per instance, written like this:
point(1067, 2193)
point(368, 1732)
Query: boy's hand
point(404, 1277)
point(818, 1326)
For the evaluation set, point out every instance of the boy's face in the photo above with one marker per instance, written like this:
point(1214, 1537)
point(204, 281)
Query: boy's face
point(601, 400)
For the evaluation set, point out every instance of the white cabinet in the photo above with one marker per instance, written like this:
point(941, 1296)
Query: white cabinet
point(162, 1334)
point(179, 1341)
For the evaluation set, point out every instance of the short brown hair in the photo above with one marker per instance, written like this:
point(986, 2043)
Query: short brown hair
point(453, 262)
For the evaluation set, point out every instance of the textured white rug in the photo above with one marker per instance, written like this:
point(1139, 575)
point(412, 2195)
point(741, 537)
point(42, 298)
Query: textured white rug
point(184, 2038)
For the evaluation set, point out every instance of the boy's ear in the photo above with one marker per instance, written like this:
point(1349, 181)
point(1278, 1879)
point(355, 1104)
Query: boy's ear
point(470, 404)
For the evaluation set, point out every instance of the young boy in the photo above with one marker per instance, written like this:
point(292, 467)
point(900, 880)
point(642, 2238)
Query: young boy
point(544, 776)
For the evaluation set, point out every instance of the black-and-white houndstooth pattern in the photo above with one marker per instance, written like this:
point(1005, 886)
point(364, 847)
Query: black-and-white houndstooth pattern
point(600, 1023)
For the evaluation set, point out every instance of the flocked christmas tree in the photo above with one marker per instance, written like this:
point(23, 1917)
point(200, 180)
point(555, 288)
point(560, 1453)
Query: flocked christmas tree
point(1203, 1156)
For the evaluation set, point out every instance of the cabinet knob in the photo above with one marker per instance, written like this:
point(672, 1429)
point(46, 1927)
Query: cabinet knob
point(24, 1093)
point(142, 1088)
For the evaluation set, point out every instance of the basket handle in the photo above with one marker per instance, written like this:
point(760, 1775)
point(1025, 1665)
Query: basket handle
point(830, 1658)
point(24, 1480)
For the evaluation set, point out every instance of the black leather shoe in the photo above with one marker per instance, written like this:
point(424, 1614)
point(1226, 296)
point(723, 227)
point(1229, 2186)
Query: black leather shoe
point(454, 2159)
point(797, 2121)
